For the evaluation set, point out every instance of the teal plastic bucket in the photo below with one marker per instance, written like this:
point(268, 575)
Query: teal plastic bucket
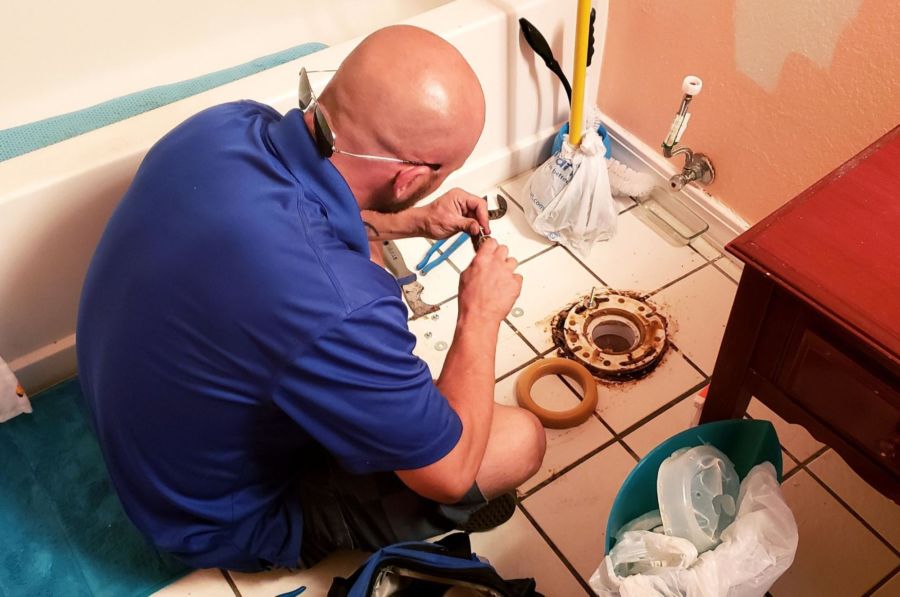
point(747, 443)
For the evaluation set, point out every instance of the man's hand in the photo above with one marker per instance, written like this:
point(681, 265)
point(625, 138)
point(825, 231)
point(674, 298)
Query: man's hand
point(454, 211)
point(489, 287)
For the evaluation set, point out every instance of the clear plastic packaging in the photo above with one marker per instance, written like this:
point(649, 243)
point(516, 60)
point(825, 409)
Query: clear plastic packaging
point(645, 522)
point(698, 490)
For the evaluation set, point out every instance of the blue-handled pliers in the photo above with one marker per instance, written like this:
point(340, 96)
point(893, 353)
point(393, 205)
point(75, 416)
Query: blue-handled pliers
point(426, 266)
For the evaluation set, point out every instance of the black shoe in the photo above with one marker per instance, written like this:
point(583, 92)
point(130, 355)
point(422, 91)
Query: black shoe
point(491, 515)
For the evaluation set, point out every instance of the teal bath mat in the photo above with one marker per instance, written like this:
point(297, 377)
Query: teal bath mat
point(62, 529)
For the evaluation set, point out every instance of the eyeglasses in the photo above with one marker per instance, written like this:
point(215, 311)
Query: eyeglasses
point(325, 135)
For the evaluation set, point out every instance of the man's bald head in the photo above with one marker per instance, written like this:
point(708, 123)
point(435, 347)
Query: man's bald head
point(405, 92)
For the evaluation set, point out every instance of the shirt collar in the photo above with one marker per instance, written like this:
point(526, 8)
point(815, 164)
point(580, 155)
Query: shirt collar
point(298, 152)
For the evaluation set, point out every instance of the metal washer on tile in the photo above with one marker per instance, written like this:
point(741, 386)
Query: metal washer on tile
point(440, 345)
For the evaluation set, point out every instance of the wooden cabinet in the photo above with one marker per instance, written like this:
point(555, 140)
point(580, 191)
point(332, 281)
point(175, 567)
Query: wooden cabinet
point(814, 332)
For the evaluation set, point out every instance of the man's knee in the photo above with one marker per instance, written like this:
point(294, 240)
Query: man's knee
point(537, 441)
point(530, 442)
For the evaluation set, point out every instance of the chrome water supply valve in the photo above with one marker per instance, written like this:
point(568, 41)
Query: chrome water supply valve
point(697, 166)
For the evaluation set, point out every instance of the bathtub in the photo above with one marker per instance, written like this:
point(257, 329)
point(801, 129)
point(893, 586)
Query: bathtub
point(54, 202)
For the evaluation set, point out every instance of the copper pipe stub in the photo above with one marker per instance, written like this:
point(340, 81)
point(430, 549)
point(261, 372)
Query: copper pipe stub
point(616, 335)
point(557, 419)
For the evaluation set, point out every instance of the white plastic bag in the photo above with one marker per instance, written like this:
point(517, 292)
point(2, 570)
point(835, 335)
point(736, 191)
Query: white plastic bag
point(640, 552)
point(569, 200)
point(755, 551)
point(13, 400)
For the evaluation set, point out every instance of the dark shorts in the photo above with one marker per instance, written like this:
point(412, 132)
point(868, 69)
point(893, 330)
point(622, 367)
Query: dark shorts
point(367, 512)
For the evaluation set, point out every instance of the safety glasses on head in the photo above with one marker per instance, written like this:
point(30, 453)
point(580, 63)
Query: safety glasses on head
point(325, 135)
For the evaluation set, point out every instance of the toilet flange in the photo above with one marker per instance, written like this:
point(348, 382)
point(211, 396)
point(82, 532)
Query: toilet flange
point(583, 332)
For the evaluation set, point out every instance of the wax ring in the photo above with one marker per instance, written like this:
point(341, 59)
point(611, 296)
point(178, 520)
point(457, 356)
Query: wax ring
point(558, 419)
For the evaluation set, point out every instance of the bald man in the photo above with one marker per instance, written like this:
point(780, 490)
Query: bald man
point(249, 368)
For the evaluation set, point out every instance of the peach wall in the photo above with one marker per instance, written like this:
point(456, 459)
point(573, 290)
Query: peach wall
point(772, 127)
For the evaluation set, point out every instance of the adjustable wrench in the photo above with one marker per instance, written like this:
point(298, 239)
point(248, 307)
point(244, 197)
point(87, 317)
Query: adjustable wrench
point(411, 287)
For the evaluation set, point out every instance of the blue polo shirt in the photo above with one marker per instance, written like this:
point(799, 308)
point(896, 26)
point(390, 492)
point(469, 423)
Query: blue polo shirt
point(230, 318)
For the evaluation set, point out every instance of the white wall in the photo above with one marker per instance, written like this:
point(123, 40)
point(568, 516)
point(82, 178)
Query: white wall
point(55, 202)
point(62, 56)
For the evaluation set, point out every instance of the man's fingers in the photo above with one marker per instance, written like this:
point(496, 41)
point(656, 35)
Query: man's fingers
point(476, 207)
point(512, 263)
point(487, 247)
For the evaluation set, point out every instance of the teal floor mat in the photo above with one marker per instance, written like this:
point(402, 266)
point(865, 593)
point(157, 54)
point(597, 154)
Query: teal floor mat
point(63, 529)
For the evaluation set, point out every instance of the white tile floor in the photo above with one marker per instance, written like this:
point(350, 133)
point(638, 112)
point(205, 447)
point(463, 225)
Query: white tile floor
point(849, 534)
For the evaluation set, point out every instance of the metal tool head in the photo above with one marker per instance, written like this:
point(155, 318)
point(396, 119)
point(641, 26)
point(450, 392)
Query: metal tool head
point(412, 292)
point(500, 211)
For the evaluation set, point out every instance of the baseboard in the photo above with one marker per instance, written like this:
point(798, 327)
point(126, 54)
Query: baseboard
point(46, 366)
point(724, 223)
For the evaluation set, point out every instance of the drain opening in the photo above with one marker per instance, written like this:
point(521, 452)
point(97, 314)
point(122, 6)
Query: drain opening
point(616, 335)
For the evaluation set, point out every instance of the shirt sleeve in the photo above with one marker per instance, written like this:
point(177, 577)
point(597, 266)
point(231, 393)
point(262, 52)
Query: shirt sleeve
point(362, 394)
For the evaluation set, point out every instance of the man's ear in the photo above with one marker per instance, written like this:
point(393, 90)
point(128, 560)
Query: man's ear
point(411, 181)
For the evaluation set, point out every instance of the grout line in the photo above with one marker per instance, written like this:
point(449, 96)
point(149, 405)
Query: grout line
point(516, 369)
point(697, 251)
point(569, 467)
point(882, 582)
point(230, 582)
point(510, 196)
point(538, 254)
point(677, 280)
point(809, 459)
point(628, 449)
point(524, 339)
point(853, 512)
point(556, 550)
point(723, 272)
point(677, 400)
point(790, 473)
point(584, 265)
point(692, 363)
point(630, 207)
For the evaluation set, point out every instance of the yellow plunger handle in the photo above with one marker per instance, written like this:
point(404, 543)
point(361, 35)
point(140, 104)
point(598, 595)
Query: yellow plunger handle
point(579, 73)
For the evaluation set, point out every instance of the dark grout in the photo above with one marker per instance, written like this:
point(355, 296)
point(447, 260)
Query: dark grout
point(584, 265)
point(630, 207)
point(882, 582)
point(558, 474)
point(691, 362)
point(722, 271)
point(518, 368)
point(522, 336)
point(230, 582)
point(556, 550)
point(697, 251)
point(677, 280)
point(853, 512)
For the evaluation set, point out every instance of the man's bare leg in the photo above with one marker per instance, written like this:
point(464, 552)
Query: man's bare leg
point(514, 451)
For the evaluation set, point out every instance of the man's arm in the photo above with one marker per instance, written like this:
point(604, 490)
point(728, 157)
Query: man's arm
point(448, 214)
point(488, 289)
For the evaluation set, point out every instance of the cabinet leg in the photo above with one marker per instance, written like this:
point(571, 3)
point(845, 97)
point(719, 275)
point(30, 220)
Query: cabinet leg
point(729, 393)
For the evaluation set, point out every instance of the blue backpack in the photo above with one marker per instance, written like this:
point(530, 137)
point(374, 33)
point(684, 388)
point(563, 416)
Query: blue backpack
point(424, 569)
